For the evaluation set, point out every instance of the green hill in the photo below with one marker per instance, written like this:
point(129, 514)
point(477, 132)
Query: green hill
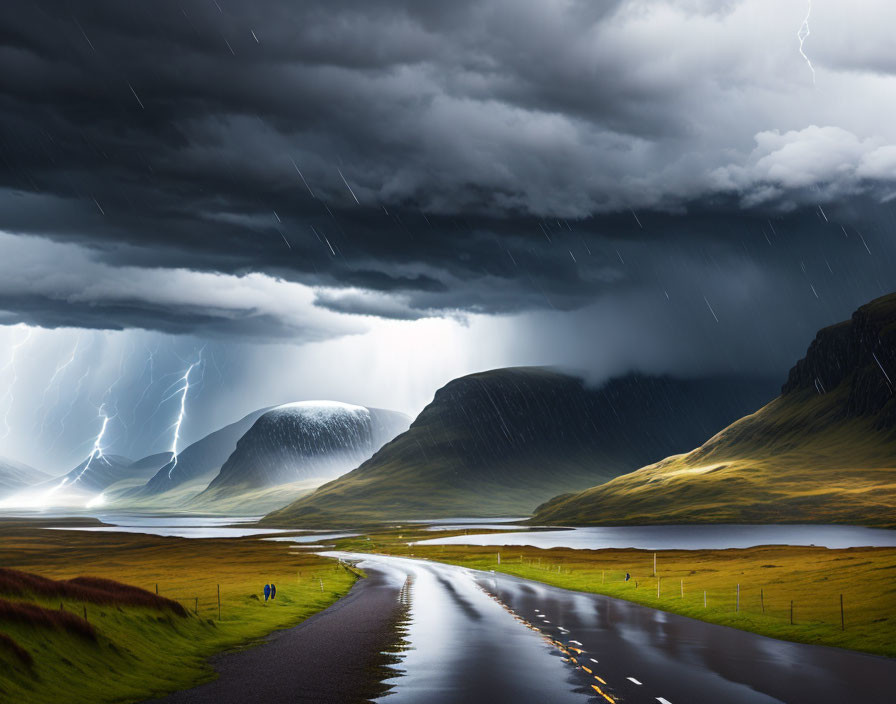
point(823, 451)
point(501, 442)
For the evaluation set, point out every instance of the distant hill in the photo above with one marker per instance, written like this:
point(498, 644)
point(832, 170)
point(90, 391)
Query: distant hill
point(503, 441)
point(101, 473)
point(307, 441)
point(159, 459)
point(823, 451)
point(16, 475)
point(198, 462)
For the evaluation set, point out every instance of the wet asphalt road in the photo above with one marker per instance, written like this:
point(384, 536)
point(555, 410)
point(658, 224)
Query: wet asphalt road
point(471, 641)
point(477, 637)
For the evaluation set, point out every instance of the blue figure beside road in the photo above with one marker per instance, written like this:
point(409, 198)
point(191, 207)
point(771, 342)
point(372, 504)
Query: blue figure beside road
point(273, 590)
point(267, 591)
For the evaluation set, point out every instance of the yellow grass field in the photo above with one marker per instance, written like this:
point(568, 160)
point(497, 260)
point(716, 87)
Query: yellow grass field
point(140, 653)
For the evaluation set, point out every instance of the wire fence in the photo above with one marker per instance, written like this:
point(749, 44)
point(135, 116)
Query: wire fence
point(213, 603)
point(796, 603)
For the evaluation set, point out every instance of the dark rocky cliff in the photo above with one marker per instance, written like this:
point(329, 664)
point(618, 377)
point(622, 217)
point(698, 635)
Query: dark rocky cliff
point(857, 357)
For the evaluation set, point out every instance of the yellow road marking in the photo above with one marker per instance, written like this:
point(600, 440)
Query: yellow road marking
point(601, 693)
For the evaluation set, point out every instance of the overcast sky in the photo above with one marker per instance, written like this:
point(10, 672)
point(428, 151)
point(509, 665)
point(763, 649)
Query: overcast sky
point(361, 201)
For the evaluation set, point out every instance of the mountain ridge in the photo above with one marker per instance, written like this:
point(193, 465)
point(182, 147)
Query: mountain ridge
point(304, 440)
point(499, 442)
point(824, 450)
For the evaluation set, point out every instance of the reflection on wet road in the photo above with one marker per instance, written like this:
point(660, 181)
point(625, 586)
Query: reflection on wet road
point(486, 637)
point(463, 646)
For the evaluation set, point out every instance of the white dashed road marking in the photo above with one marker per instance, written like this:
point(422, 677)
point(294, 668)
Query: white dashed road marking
point(592, 660)
point(632, 679)
point(663, 701)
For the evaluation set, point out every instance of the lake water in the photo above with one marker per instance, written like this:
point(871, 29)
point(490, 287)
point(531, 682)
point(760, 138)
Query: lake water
point(311, 537)
point(466, 520)
point(202, 527)
point(692, 537)
point(178, 526)
point(466, 523)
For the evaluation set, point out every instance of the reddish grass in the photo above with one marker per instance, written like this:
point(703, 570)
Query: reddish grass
point(7, 643)
point(34, 615)
point(94, 590)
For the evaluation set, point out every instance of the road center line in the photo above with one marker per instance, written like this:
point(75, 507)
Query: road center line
point(632, 679)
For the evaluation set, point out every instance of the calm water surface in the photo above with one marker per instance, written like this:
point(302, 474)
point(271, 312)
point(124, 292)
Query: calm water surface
point(703, 537)
point(178, 526)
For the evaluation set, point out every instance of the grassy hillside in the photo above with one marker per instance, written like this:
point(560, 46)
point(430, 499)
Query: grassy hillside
point(501, 442)
point(824, 451)
point(89, 640)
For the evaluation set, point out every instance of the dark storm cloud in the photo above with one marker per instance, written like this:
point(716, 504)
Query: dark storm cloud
point(423, 158)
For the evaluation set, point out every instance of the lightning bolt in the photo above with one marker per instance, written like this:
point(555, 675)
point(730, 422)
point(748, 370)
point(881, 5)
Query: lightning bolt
point(802, 35)
point(107, 397)
point(71, 407)
point(56, 379)
point(11, 363)
point(97, 451)
point(183, 391)
point(150, 363)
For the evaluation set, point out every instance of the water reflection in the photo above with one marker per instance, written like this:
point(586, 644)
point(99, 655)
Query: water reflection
point(462, 645)
point(700, 537)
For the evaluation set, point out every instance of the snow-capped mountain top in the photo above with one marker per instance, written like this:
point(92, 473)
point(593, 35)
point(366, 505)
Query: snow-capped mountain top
point(322, 411)
point(306, 440)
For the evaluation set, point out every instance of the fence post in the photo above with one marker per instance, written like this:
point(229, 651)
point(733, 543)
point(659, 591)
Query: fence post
point(601, 576)
point(842, 623)
point(196, 605)
point(791, 612)
point(321, 584)
point(499, 558)
point(681, 584)
point(737, 603)
point(157, 588)
point(762, 600)
point(657, 587)
point(654, 564)
point(219, 602)
point(704, 598)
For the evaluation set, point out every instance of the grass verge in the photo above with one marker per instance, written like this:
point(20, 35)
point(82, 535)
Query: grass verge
point(140, 651)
